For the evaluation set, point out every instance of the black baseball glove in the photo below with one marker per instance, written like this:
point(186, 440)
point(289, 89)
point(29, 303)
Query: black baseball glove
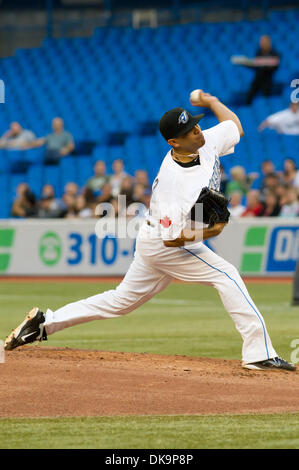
point(214, 207)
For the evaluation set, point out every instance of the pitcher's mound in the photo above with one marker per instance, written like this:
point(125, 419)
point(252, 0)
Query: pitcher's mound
point(40, 381)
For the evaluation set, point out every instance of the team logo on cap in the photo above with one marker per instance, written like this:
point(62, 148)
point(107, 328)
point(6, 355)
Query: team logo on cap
point(183, 118)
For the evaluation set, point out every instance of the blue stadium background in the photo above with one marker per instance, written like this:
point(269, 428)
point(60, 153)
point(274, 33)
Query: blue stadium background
point(112, 88)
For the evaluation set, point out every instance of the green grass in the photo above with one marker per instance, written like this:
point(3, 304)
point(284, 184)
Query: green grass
point(158, 432)
point(184, 319)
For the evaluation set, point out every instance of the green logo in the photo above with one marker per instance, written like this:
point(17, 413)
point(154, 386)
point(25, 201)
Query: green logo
point(50, 248)
point(252, 258)
point(6, 241)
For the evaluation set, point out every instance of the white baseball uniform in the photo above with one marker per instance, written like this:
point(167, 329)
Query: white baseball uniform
point(175, 191)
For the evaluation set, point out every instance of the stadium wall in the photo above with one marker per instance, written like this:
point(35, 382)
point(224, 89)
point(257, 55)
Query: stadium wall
point(257, 247)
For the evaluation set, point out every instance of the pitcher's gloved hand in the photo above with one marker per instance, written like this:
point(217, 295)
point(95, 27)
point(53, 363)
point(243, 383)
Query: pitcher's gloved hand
point(214, 207)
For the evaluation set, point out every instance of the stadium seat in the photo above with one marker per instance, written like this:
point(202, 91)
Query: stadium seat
point(84, 169)
point(5, 196)
point(51, 175)
point(132, 80)
point(34, 178)
point(17, 161)
point(35, 155)
point(4, 163)
point(68, 170)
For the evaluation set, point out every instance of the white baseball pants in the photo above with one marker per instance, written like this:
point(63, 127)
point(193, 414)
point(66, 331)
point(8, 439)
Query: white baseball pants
point(153, 268)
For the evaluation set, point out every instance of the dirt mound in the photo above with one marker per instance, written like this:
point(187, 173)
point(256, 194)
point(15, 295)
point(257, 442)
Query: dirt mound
point(40, 381)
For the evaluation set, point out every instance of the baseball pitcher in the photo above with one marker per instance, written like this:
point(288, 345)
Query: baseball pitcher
point(186, 208)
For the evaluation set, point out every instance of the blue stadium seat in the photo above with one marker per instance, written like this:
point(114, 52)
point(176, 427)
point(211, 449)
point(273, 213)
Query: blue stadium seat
point(34, 178)
point(84, 169)
point(51, 175)
point(4, 163)
point(5, 196)
point(17, 161)
point(68, 170)
point(35, 155)
point(119, 64)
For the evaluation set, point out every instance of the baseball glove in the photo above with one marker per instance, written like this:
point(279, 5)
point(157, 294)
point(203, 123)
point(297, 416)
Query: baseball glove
point(214, 207)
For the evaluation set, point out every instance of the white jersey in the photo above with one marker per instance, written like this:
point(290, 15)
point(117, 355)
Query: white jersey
point(176, 188)
point(284, 122)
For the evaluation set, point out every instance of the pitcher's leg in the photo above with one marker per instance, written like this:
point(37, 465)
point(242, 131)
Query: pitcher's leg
point(203, 265)
point(248, 319)
point(140, 284)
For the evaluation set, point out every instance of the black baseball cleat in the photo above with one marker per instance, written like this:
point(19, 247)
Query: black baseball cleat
point(275, 363)
point(30, 330)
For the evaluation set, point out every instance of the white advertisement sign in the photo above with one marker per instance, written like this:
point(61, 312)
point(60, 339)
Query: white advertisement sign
point(257, 247)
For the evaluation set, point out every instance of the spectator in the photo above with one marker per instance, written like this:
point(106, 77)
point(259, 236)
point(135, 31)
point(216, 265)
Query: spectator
point(58, 144)
point(81, 208)
point(97, 181)
point(69, 199)
point(236, 207)
point(48, 192)
point(267, 168)
point(265, 64)
point(140, 201)
point(25, 203)
point(290, 175)
point(240, 181)
point(139, 193)
point(117, 176)
point(281, 193)
point(106, 194)
point(271, 205)
point(254, 206)
point(269, 183)
point(86, 203)
point(141, 177)
point(283, 122)
point(70, 206)
point(17, 138)
point(71, 189)
point(291, 208)
point(126, 189)
point(48, 209)
point(147, 199)
point(107, 205)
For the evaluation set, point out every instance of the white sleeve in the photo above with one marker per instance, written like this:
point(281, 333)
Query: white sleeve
point(30, 136)
point(224, 136)
point(277, 119)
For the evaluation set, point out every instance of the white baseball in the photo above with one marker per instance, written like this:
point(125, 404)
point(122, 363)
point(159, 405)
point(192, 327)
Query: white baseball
point(194, 96)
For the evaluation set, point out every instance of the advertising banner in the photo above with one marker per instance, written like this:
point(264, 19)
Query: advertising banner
point(257, 247)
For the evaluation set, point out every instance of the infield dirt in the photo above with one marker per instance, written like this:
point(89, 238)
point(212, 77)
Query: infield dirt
point(41, 381)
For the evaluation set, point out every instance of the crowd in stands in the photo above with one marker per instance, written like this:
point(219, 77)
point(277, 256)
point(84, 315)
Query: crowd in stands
point(58, 143)
point(268, 194)
point(92, 200)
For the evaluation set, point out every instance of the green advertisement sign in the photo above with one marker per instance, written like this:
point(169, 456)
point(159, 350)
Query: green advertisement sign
point(6, 243)
point(254, 249)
